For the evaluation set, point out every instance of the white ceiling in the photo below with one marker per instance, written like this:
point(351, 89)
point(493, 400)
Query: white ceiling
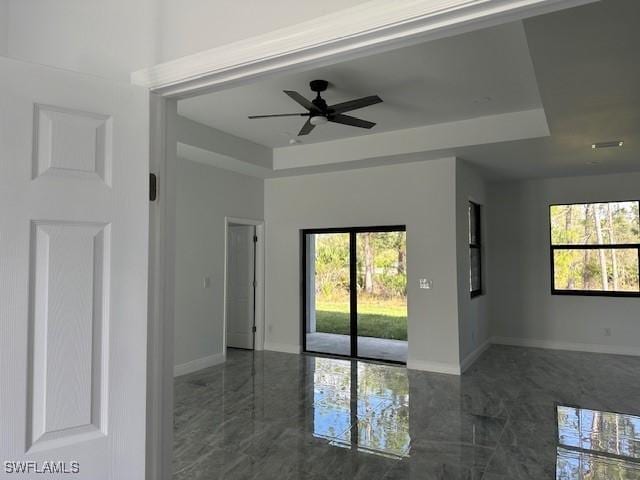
point(582, 61)
point(586, 64)
point(472, 75)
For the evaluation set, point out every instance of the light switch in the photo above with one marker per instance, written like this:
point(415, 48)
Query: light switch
point(206, 282)
point(426, 284)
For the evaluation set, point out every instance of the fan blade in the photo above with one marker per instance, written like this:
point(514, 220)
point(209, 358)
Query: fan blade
point(280, 115)
point(306, 128)
point(296, 97)
point(355, 104)
point(349, 120)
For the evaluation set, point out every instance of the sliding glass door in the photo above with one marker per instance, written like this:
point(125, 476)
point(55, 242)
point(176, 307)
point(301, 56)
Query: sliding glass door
point(354, 295)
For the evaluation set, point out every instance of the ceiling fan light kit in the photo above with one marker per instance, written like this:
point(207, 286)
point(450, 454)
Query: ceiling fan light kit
point(318, 120)
point(319, 113)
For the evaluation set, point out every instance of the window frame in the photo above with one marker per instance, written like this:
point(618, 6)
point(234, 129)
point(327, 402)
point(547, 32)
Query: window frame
point(477, 245)
point(615, 246)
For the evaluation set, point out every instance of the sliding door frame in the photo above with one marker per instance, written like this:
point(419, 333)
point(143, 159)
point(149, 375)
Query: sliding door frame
point(353, 285)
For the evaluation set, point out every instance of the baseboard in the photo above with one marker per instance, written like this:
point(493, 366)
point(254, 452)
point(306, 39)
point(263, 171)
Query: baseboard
point(198, 364)
point(282, 347)
point(473, 356)
point(435, 367)
point(576, 347)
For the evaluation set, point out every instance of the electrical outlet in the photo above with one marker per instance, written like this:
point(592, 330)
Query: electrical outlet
point(206, 283)
point(607, 332)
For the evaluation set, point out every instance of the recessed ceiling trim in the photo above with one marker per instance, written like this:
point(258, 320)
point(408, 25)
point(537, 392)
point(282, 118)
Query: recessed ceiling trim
point(225, 162)
point(207, 138)
point(371, 27)
point(504, 127)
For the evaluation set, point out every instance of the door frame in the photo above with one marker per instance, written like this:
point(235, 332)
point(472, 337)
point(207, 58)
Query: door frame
point(161, 299)
point(379, 26)
point(353, 291)
point(259, 263)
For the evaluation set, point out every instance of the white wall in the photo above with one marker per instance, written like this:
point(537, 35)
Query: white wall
point(205, 195)
point(472, 312)
point(115, 37)
point(418, 195)
point(104, 38)
point(204, 24)
point(522, 308)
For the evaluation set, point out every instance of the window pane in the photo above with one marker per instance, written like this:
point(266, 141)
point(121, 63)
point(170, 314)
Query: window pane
point(595, 223)
point(475, 278)
point(611, 270)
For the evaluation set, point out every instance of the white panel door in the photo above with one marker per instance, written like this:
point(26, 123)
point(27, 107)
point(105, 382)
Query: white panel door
point(73, 274)
point(240, 277)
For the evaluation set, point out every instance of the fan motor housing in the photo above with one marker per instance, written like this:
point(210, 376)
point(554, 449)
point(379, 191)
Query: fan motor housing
point(318, 85)
point(320, 104)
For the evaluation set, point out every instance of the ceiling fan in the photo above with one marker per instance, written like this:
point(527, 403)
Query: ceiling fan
point(318, 112)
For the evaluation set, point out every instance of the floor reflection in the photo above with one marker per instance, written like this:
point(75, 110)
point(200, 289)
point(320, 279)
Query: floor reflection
point(593, 444)
point(361, 406)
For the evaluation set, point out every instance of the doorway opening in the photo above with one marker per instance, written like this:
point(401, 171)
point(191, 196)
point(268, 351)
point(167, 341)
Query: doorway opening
point(241, 280)
point(354, 292)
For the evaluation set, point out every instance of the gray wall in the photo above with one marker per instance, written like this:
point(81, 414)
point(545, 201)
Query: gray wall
point(473, 314)
point(4, 27)
point(205, 195)
point(430, 198)
point(419, 195)
point(522, 308)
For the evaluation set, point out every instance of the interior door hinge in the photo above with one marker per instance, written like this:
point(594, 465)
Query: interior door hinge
point(153, 187)
point(253, 329)
point(255, 239)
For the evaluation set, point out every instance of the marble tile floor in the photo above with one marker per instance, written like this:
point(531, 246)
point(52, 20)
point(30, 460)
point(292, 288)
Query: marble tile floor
point(267, 415)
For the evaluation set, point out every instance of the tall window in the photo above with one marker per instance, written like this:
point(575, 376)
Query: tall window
point(595, 249)
point(475, 250)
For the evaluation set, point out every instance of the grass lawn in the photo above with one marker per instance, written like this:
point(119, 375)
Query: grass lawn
point(376, 319)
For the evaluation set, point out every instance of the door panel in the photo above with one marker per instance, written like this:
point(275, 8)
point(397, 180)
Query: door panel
point(240, 291)
point(67, 371)
point(73, 270)
point(381, 292)
point(328, 315)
